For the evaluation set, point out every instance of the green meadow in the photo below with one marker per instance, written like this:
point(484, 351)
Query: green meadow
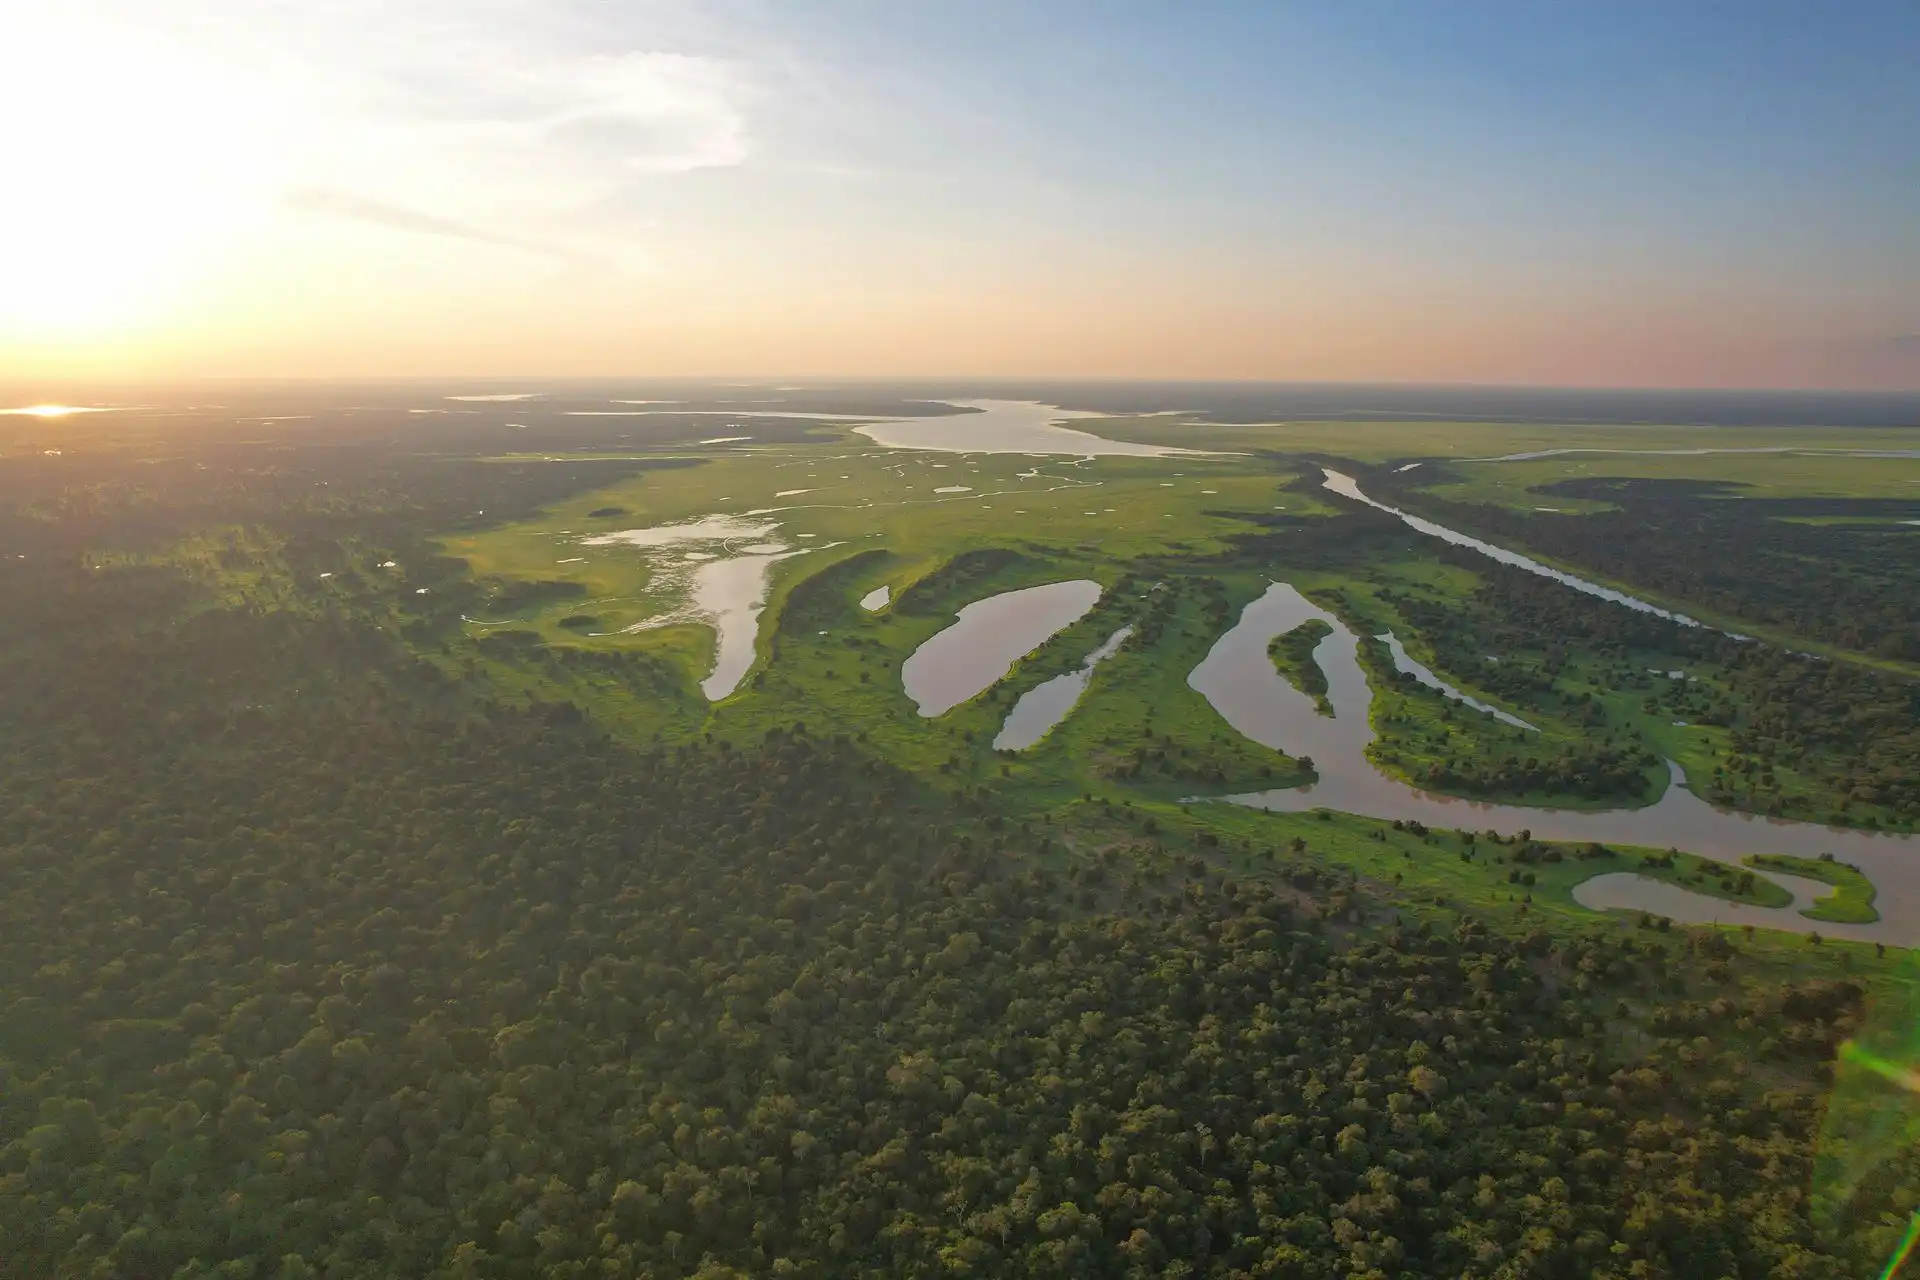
point(1756, 475)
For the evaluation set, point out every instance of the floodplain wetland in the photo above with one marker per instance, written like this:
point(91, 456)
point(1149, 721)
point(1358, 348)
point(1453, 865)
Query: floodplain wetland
point(712, 765)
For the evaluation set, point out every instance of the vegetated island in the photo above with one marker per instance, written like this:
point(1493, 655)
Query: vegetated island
point(1292, 654)
point(1851, 901)
point(1715, 879)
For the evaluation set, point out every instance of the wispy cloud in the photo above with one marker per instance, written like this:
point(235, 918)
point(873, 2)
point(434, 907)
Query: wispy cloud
point(391, 217)
point(656, 112)
point(494, 122)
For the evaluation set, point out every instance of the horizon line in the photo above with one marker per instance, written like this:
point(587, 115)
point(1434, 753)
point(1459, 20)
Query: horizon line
point(760, 379)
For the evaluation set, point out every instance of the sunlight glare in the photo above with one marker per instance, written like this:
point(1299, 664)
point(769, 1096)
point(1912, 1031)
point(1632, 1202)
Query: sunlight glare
point(138, 164)
point(53, 410)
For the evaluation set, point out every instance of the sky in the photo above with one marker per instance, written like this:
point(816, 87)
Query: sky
point(1683, 193)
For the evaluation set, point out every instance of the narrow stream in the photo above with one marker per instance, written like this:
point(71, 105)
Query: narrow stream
point(1404, 661)
point(1347, 487)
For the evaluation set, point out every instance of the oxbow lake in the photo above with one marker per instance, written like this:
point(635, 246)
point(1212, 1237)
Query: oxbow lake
point(990, 635)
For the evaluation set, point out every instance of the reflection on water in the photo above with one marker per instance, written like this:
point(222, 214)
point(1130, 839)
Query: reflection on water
point(1046, 705)
point(731, 594)
point(1404, 661)
point(720, 574)
point(60, 410)
point(720, 529)
point(987, 639)
point(1007, 426)
point(1241, 684)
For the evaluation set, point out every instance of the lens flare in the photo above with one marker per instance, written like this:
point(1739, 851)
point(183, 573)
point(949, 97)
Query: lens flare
point(1867, 1164)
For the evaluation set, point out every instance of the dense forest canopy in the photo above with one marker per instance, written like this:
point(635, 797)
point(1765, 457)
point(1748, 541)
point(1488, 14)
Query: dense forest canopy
point(1845, 571)
point(328, 949)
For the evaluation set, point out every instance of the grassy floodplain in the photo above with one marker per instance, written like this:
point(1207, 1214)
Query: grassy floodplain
point(859, 495)
point(1806, 474)
point(462, 827)
point(1178, 545)
point(1383, 441)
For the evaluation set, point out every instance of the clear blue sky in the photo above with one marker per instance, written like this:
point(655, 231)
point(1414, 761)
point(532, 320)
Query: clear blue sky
point(1683, 193)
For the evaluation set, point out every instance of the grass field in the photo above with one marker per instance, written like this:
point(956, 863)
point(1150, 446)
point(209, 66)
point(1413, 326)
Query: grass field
point(1767, 475)
point(1386, 441)
point(1122, 508)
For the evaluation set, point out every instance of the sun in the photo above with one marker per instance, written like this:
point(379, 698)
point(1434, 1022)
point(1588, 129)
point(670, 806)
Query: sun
point(125, 168)
point(52, 410)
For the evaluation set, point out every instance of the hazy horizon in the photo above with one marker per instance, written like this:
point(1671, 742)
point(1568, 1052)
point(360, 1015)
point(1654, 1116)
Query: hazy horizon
point(1388, 193)
point(493, 402)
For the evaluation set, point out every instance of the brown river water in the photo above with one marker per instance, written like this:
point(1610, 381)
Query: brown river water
point(1239, 680)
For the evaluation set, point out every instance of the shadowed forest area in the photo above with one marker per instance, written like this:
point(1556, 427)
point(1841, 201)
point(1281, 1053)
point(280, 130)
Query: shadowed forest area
point(1840, 570)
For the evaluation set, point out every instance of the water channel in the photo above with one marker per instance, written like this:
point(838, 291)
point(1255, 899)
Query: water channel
point(1238, 679)
point(1347, 487)
point(719, 567)
point(1046, 705)
point(1404, 661)
point(1628, 891)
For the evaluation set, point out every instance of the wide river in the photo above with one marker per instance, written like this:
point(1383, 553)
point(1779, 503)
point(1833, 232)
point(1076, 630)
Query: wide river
point(1008, 426)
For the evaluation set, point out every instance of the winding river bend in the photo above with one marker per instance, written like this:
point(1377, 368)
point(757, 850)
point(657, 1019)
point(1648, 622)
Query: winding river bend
point(1238, 679)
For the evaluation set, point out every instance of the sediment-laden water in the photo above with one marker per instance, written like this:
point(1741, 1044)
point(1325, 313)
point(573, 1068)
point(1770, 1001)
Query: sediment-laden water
point(1238, 679)
point(988, 637)
point(1046, 705)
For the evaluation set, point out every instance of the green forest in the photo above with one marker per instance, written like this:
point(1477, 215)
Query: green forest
point(337, 940)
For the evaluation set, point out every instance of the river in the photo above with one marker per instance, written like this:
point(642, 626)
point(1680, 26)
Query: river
point(1239, 680)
